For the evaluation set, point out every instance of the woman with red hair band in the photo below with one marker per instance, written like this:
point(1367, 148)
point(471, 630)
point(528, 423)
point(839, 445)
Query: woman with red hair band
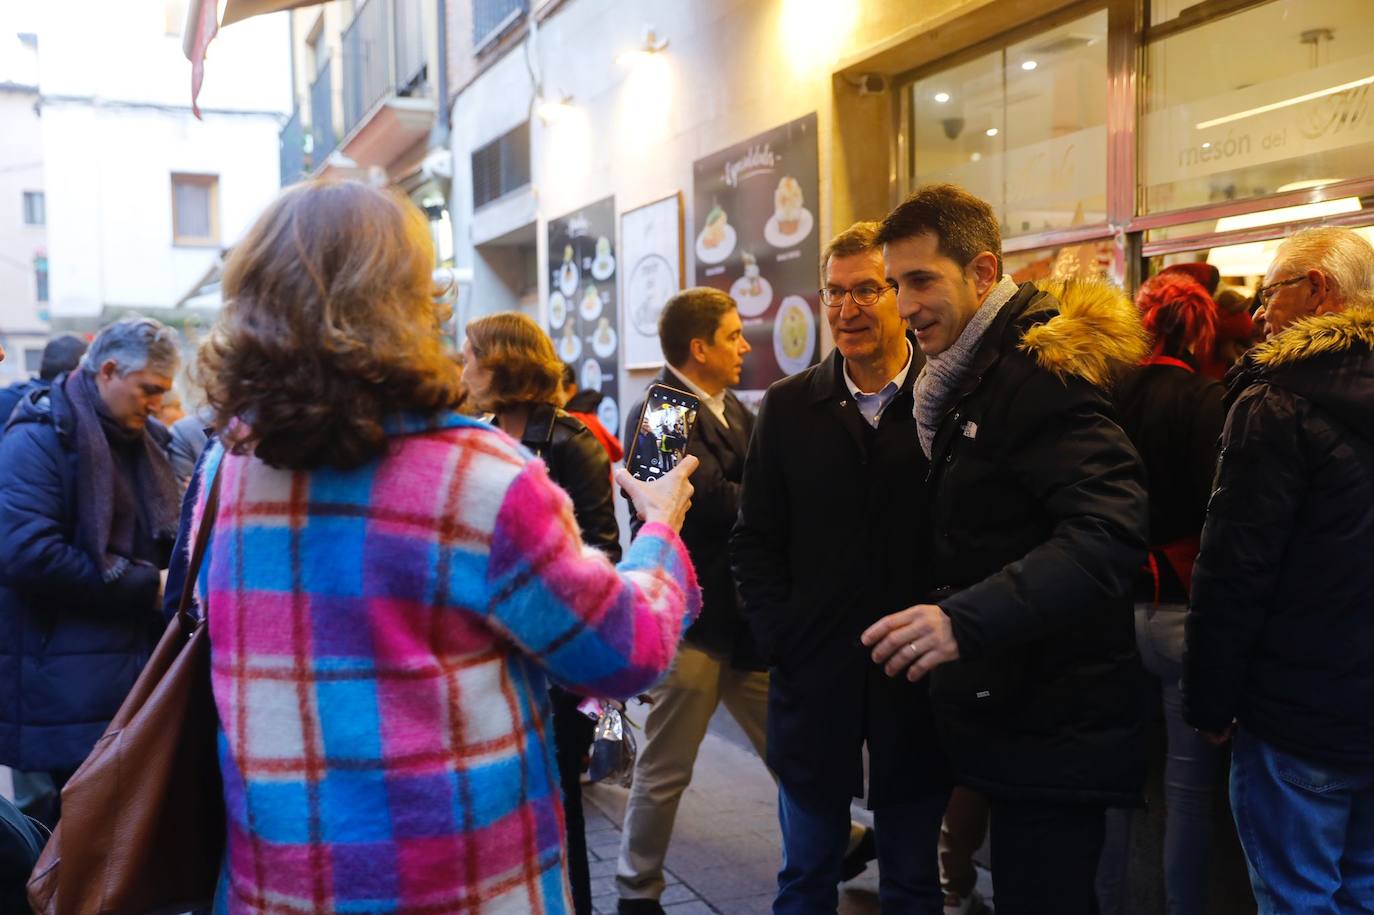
point(1173, 414)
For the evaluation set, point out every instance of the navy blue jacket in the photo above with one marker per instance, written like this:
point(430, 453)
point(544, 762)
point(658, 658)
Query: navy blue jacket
point(11, 395)
point(71, 644)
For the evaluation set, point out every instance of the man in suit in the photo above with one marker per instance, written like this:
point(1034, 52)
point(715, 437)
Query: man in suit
point(703, 343)
point(833, 497)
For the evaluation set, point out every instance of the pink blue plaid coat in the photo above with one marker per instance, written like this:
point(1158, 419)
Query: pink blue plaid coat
point(382, 641)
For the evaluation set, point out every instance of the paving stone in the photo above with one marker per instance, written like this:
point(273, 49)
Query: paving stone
point(695, 907)
point(677, 893)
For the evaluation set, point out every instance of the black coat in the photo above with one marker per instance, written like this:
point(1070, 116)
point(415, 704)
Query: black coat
point(825, 546)
point(578, 464)
point(1173, 416)
point(1281, 632)
point(720, 630)
point(71, 644)
point(1038, 524)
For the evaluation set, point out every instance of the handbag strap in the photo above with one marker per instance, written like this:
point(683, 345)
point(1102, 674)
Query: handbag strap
point(207, 523)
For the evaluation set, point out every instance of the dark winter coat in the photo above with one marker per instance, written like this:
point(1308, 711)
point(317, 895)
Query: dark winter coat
point(579, 465)
point(71, 644)
point(1281, 632)
point(1173, 416)
point(1038, 527)
point(824, 547)
point(720, 630)
point(11, 395)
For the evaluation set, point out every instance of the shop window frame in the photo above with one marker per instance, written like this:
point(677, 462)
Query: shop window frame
point(1129, 34)
point(1139, 224)
point(1124, 24)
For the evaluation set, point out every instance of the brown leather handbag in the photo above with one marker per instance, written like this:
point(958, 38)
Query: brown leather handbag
point(142, 824)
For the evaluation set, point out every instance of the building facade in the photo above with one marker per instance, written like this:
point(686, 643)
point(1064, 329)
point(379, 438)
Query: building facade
point(142, 198)
point(23, 211)
point(1112, 136)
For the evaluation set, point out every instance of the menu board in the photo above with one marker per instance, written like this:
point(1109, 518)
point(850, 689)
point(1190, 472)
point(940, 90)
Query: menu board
point(582, 302)
point(756, 236)
point(651, 251)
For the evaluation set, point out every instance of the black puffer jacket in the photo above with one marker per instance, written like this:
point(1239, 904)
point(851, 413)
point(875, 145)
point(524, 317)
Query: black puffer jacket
point(1281, 632)
point(1038, 526)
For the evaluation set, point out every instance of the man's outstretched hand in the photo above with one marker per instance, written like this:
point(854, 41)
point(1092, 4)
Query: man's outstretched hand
point(916, 640)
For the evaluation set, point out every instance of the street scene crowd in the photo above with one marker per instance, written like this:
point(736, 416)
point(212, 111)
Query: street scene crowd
point(947, 570)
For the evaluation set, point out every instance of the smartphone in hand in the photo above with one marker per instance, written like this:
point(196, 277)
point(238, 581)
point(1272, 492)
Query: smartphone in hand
point(665, 425)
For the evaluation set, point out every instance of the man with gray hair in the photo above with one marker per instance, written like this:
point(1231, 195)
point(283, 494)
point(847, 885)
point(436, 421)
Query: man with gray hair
point(1280, 655)
point(88, 515)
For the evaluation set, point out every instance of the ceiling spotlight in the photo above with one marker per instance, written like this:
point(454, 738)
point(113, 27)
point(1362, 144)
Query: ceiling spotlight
point(648, 47)
point(976, 157)
point(991, 131)
point(942, 97)
point(1029, 65)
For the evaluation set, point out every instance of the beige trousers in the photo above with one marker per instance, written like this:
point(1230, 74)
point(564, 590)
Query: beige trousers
point(673, 730)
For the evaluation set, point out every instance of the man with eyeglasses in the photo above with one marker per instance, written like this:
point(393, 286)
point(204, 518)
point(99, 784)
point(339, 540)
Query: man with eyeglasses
point(832, 497)
point(1280, 656)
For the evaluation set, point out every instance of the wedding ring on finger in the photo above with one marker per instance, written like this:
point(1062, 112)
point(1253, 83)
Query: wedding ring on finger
point(911, 647)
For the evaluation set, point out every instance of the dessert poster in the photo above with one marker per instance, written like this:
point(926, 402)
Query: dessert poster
point(582, 302)
point(755, 234)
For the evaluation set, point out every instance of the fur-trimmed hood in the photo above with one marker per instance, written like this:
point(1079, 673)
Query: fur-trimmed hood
point(1316, 336)
point(1096, 334)
point(1328, 360)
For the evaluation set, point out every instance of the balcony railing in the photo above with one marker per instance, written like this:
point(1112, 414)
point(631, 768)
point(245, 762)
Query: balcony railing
point(385, 53)
point(323, 139)
point(293, 158)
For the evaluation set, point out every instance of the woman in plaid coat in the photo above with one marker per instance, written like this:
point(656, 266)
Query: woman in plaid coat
point(391, 586)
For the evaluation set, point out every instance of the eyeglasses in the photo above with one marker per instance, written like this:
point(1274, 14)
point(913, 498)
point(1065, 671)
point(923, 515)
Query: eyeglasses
point(1262, 293)
point(865, 295)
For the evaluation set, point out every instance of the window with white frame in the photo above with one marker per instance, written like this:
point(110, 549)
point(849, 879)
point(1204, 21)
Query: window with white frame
point(195, 209)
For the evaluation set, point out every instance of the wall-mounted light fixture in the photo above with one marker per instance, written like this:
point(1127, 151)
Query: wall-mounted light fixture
point(553, 110)
point(650, 45)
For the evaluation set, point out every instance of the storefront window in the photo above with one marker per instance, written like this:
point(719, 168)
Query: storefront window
point(1024, 127)
point(1274, 98)
point(1100, 259)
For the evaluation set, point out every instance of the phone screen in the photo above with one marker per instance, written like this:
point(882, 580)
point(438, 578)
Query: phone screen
point(664, 426)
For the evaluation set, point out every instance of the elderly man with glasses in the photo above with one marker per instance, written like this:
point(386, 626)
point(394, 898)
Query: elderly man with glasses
point(833, 497)
point(1280, 652)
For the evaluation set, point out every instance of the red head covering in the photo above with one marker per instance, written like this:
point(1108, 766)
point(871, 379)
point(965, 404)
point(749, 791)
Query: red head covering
point(1177, 311)
point(1207, 275)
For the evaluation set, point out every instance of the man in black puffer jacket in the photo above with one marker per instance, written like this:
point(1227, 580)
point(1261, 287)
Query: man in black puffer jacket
point(1038, 522)
point(1281, 630)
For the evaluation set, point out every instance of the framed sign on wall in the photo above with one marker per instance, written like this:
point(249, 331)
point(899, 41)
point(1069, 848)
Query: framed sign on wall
point(651, 255)
point(582, 301)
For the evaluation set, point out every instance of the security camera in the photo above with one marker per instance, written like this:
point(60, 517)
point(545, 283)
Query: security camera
point(952, 127)
point(872, 84)
point(868, 83)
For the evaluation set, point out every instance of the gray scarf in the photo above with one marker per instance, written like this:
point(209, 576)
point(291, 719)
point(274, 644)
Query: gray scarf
point(942, 374)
